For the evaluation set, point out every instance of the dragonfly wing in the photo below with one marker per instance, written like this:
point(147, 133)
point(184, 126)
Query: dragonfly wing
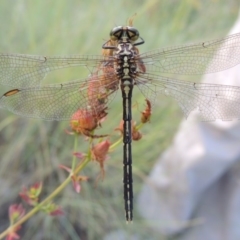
point(205, 57)
point(58, 101)
point(20, 70)
point(213, 101)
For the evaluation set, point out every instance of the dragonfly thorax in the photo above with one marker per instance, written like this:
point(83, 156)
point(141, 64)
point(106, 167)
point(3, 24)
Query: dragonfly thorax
point(125, 66)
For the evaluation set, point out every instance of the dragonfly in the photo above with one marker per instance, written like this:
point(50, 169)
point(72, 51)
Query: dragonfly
point(122, 67)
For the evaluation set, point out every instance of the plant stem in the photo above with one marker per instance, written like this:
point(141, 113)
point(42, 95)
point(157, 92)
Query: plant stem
point(50, 197)
point(75, 149)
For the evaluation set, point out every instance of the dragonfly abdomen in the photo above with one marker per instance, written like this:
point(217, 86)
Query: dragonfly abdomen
point(126, 70)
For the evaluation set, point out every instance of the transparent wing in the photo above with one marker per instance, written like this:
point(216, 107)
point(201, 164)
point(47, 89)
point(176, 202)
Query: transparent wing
point(206, 57)
point(20, 70)
point(213, 101)
point(60, 101)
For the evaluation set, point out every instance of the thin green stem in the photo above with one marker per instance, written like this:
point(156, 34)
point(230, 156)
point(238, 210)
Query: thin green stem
point(139, 126)
point(37, 208)
point(50, 197)
point(116, 143)
point(75, 149)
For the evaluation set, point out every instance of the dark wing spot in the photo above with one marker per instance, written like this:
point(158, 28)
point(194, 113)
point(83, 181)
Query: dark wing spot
point(11, 92)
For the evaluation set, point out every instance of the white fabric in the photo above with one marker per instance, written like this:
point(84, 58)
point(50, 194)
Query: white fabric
point(193, 192)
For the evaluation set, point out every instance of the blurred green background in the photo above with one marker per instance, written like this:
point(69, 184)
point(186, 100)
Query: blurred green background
point(31, 150)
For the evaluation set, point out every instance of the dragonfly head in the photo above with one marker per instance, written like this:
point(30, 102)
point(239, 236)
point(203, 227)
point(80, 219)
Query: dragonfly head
point(124, 33)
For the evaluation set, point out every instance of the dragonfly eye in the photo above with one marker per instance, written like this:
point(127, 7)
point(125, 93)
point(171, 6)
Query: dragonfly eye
point(133, 33)
point(116, 33)
point(130, 32)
